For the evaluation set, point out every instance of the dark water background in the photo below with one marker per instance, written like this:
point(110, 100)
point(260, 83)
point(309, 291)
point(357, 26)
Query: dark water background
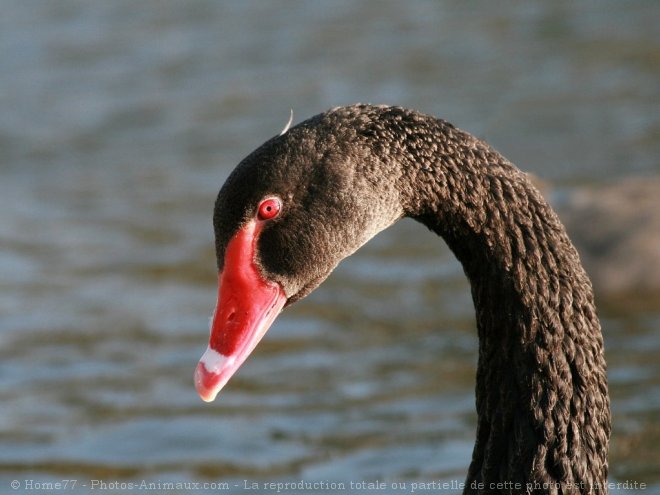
point(120, 120)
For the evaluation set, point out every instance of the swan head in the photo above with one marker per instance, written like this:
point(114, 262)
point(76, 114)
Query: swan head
point(284, 219)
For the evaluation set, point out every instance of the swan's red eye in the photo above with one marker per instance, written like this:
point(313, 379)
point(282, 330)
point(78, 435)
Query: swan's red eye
point(269, 208)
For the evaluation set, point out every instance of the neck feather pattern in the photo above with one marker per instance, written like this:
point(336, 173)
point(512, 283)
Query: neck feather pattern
point(542, 400)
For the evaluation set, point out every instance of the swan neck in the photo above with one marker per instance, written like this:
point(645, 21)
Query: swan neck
point(542, 402)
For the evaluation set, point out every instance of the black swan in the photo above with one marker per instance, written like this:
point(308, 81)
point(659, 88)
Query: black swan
point(306, 199)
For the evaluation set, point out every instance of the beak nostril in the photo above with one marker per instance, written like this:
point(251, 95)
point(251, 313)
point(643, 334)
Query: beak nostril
point(231, 316)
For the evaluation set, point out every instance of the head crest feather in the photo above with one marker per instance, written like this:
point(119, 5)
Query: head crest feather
point(288, 124)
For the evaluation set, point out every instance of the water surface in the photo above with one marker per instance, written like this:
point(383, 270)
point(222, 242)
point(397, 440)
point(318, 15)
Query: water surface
point(120, 121)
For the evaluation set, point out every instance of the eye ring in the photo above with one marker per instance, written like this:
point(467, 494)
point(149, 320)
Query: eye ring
point(269, 208)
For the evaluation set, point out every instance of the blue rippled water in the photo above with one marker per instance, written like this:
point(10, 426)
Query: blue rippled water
point(120, 120)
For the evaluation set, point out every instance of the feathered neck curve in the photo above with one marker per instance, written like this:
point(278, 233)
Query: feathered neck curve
point(542, 400)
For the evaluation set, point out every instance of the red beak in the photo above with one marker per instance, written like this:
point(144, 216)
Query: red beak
point(247, 306)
